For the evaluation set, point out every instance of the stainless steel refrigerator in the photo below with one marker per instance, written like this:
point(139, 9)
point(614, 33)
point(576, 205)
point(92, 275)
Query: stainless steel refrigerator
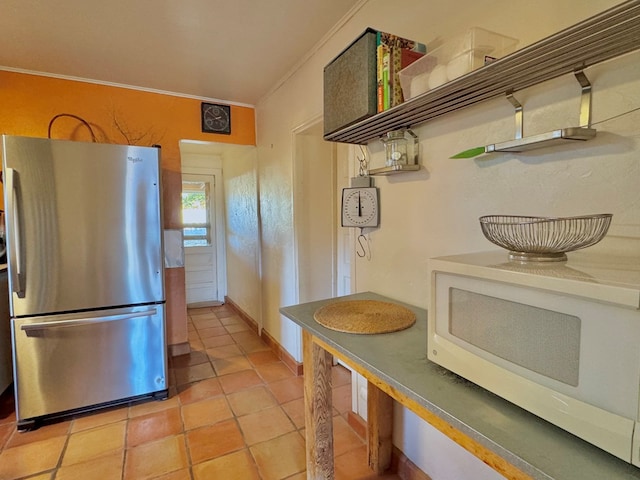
point(86, 282)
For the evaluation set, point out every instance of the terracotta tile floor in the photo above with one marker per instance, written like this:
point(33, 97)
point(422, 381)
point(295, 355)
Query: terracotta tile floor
point(235, 412)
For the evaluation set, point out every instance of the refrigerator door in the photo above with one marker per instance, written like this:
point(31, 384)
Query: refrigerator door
point(83, 225)
point(66, 362)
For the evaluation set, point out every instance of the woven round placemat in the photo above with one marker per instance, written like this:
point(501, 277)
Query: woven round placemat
point(364, 316)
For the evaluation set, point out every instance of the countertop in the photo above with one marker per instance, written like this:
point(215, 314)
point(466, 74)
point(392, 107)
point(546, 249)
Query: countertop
point(531, 444)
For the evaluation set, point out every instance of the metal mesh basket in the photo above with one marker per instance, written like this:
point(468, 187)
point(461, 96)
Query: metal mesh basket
point(541, 238)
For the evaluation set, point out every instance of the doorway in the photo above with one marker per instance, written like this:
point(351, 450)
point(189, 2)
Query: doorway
point(203, 224)
point(324, 249)
point(315, 216)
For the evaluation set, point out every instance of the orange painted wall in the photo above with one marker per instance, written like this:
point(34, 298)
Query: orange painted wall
point(29, 102)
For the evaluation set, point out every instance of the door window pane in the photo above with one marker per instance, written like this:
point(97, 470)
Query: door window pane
point(195, 214)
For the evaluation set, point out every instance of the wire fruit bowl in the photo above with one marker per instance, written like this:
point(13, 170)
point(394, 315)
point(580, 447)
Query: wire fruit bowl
point(543, 239)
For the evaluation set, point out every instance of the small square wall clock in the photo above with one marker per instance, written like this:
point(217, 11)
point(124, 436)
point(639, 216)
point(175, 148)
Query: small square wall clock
point(216, 118)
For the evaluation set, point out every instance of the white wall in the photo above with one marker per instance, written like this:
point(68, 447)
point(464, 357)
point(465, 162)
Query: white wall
point(240, 167)
point(299, 98)
point(435, 211)
point(441, 204)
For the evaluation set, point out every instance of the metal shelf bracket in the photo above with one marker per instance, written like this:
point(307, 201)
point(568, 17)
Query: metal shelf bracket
point(564, 135)
point(585, 99)
point(585, 105)
point(519, 114)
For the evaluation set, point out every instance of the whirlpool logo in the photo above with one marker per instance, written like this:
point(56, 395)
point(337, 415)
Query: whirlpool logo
point(134, 159)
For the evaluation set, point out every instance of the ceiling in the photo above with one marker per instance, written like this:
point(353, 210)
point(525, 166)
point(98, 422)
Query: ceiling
point(234, 51)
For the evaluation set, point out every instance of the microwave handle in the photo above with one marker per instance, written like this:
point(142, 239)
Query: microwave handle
point(16, 260)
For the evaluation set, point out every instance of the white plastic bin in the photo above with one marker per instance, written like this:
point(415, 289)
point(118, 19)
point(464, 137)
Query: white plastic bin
point(456, 57)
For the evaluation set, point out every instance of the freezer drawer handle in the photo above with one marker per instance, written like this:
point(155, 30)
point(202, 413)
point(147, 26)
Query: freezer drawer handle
point(86, 321)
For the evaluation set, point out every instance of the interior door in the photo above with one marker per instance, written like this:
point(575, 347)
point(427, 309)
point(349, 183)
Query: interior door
point(199, 227)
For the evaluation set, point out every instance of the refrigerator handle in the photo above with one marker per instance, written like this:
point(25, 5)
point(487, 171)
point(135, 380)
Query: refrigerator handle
point(30, 327)
point(15, 257)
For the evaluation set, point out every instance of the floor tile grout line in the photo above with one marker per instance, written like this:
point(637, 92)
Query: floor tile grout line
point(190, 464)
point(125, 452)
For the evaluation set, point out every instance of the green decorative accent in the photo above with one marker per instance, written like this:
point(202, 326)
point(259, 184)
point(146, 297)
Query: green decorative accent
point(472, 152)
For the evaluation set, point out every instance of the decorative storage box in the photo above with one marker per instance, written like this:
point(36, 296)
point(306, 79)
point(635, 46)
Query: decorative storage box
point(453, 59)
point(350, 86)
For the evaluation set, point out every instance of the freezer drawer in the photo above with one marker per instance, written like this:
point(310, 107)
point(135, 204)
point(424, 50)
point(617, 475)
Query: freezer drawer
point(68, 362)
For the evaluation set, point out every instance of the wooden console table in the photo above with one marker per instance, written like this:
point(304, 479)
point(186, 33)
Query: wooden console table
point(514, 442)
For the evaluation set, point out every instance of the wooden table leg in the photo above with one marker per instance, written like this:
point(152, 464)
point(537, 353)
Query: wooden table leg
point(379, 428)
point(318, 410)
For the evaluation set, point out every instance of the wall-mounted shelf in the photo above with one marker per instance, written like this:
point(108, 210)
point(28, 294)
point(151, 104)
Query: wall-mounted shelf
point(563, 135)
point(394, 169)
point(609, 34)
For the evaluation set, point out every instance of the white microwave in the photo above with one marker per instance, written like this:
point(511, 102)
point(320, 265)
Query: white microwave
point(560, 340)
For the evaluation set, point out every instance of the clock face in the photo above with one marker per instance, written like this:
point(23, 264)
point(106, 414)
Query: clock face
point(216, 118)
point(360, 207)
